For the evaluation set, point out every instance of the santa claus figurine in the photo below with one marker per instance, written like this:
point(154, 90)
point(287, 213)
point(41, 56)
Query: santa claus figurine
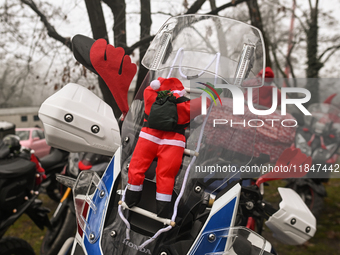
point(265, 92)
point(167, 114)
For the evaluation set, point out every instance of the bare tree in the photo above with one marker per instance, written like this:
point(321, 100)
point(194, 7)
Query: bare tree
point(309, 22)
point(98, 26)
point(145, 28)
point(97, 21)
point(51, 31)
point(256, 20)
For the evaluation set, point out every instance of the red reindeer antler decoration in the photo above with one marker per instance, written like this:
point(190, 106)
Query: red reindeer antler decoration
point(107, 60)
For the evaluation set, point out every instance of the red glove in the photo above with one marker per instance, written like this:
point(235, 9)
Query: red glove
point(107, 60)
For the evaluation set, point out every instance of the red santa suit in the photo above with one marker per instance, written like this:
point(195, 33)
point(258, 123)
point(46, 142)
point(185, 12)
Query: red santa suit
point(167, 146)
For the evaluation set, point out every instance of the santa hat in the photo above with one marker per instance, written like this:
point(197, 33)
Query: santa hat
point(172, 84)
point(268, 74)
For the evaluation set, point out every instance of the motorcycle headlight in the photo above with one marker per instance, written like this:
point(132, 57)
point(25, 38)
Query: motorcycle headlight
point(301, 143)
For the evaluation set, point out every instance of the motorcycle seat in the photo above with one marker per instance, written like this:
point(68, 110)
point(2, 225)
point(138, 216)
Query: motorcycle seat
point(15, 167)
point(55, 157)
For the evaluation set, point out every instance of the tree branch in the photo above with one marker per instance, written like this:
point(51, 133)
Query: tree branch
point(310, 5)
point(118, 8)
point(195, 7)
point(50, 29)
point(148, 39)
point(304, 14)
point(301, 23)
point(291, 68)
point(134, 46)
point(212, 4)
point(273, 50)
point(336, 47)
point(233, 3)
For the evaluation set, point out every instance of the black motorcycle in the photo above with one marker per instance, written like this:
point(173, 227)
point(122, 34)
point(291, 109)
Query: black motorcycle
point(317, 136)
point(54, 163)
point(63, 220)
point(19, 184)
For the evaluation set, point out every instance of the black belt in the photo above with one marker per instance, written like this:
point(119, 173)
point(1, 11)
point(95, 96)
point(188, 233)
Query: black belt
point(180, 128)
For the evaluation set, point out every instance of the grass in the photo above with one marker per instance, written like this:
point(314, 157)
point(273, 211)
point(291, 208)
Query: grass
point(325, 241)
point(327, 237)
point(24, 228)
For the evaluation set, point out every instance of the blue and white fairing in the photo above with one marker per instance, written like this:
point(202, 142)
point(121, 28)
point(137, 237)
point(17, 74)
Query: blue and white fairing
point(92, 205)
point(217, 236)
point(91, 198)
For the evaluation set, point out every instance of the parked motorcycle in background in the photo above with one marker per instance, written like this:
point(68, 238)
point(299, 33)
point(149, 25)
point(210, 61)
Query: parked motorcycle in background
point(318, 136)
point(20, 179)
point(52, 160)
point(53, 164)
point(63, 220)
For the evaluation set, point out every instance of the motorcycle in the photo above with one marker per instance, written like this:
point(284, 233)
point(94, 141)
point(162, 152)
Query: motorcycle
point(53, 163)
point(20, 178)
point(317, 136)
point(204, 204)
point(63, 221)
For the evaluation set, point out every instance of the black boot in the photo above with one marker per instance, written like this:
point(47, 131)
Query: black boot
point(132, 198)
point(164, 209)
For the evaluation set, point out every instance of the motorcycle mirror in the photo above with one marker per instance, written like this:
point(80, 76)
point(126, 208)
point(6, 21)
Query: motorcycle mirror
point(81, 46)
point(65, 180)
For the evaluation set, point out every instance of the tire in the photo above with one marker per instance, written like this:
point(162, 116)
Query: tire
point(54, 238)
point(15, 246)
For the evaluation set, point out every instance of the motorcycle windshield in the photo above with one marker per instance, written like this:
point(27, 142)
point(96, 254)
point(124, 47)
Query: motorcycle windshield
point(216, 144)
point(221, 141)
point(243, 241)
point(194, 42)
point(224, 56)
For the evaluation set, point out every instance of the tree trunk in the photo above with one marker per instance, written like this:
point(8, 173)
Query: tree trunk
point(98, 25)
point(118, 8)
point(256, 21)
point(313, 63)
point(145, 27)
point(97, 20)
